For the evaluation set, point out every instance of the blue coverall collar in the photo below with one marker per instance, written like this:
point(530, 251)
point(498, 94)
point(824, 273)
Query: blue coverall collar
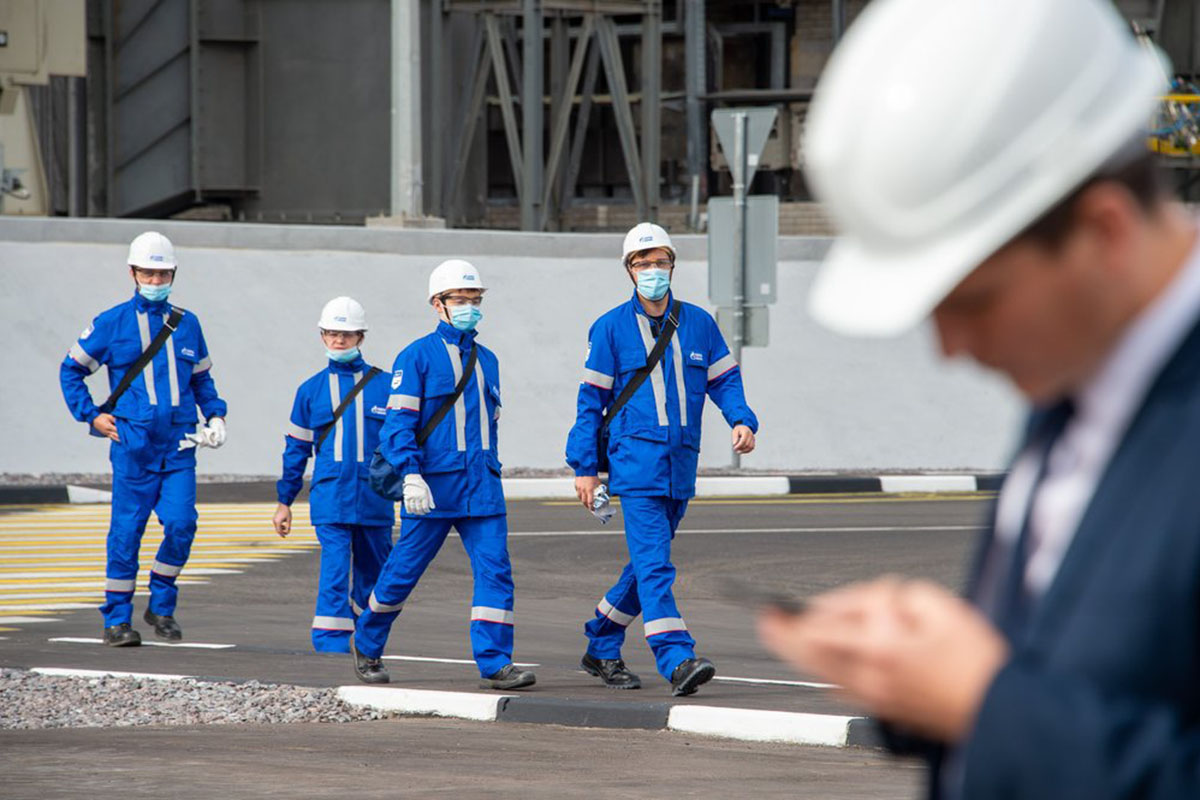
point(463, 339)
point(142, 304)
point(640, 309)
point(348, 367)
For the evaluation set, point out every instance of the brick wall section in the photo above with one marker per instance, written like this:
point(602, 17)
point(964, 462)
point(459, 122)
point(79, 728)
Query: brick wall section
point(795, 219)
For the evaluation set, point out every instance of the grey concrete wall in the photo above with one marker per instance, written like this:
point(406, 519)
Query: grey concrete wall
point(824, 402)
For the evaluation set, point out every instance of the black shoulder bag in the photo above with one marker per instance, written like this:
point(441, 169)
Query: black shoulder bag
point(639, 377)
point(169, 326)
point(384, 479)
point(346, 401)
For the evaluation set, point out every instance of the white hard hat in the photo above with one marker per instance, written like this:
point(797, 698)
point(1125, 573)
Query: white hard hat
point(152, 250)
point(343, 314)
point(454, 274)
point(941, 129)
point(645, 236)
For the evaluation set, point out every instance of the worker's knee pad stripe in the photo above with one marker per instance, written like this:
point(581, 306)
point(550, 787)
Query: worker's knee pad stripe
point(497, 615)
point(380, 608)
point(166, 570)
point(613, 613)
point(333, 623)
point(119, 584)
point(653, 627)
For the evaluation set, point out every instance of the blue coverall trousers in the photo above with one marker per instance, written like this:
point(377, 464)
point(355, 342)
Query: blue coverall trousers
point(486, 542)
point(137, 492)
point(645, 588)
point(351, 558)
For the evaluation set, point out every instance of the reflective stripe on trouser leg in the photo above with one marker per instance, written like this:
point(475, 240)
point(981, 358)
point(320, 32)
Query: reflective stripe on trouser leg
point(176, 509)
point(618, 608)
point(333, 621)
point(135, 491)
point(486, 541)
point(420, 539)
point(650, 524)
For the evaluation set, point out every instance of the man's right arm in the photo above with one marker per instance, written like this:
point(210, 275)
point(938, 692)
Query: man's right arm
point(595, 394)
point(398, 436)
point(297, 448)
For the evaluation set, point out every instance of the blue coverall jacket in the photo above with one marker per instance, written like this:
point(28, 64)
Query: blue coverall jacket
point(340, 492)
point(654, 441)
point(458, 460)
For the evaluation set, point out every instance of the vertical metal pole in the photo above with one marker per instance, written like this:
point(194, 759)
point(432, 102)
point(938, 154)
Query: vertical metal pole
point(651, 119)
point(560, 55)
point(439, 113)
point(532, 114)
point(697, 130)
point(407, 178)
point(839, 19)
point(738, 172)
point(76, 153)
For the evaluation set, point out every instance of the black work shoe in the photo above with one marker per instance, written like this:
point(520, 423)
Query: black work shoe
point(612, 671)
point(690, 675)
point(164, 627)
point(368, 670)
point(122, 635)
point(509, 677)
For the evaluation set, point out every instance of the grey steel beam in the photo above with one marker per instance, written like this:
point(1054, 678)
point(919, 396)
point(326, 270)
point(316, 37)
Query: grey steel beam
point(571, 6)
point(437, 107)
point(558, 136)
point(697, 131)
point(581, 127)
point(560, 56)
point(500, 70)
point(406, 167)
point(651, 111)
point(194, 92)
point(614, 72)
point(472, 110)
point(532, 117)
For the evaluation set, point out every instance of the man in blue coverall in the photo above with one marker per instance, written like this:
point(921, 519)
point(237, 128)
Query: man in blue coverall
point(353, 523)
point(654, 446)
point(153, 433)
point(451, 479)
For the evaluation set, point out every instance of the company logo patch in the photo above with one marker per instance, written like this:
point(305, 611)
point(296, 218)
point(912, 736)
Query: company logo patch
point(157, 258)
point(468, 277)
point(87, 332)
point(397, 378)
point(649, 238)
point(694, 356)
point(340, 319)
point(188, 352)
point(378, 410)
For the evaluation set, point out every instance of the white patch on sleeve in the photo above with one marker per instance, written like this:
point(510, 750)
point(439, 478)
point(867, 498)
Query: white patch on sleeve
point(87, 331)
point(397, 378)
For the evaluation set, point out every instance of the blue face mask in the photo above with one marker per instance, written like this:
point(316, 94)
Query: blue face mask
point(349, 354)
point(465, 318)
point(154, 293)
point(653, 283)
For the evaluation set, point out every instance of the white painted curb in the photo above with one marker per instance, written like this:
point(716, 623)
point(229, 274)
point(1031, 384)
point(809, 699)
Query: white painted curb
point(463, 705)
point(82, 494)
point(928, 483)
point(756, 725)
point(103, 673)
point(538, 488)
point(758, 487)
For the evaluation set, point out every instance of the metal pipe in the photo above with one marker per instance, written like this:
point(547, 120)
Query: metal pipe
point(738, 172)
point(697, 131)
point(406, 179)
point(532, 113)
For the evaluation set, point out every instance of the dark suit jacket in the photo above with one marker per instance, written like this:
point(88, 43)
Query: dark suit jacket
point(1101, 698)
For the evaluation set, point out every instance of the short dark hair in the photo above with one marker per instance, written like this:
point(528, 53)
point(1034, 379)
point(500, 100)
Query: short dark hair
point(1142, 176)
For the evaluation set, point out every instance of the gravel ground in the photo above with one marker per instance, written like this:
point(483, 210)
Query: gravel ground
point(39, 701)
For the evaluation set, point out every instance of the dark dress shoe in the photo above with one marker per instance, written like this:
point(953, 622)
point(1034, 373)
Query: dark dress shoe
point(368, 670)
point(612, 671)
point(508, 677)
point(164, 627)
point(690, 675)
point(122, 635)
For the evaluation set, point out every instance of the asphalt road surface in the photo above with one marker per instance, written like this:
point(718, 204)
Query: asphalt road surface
point(563, 562)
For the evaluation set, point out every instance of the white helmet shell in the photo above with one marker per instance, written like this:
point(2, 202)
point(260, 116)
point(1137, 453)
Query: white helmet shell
point(152, 250)
point(454, 273)
point(645, 236)
point(982, 115)
point(343, 314)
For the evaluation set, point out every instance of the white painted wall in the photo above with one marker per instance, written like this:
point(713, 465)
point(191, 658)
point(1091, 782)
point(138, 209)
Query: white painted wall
point(824, 402)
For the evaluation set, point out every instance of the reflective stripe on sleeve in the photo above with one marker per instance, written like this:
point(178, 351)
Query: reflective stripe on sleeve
point(148, 374)
point(202, 365)
point(408, 402)
point(597, 379)
point(721, 366)
point(497, 615)
point(166, 570)
point(380, 608)
point(82, 358)
point(335, 399)
point(656, 377)
point(613, 613)
point(653, 627)
point(296, 432)
point(119, 585)
point(460, 405)
point(333, 623)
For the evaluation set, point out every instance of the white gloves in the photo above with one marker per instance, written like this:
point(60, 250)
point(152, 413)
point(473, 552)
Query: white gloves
point(417, 497)
point(211, 435)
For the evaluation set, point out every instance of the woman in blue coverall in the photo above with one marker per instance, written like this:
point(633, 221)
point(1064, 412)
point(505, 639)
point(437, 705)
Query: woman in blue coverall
point(353, 524)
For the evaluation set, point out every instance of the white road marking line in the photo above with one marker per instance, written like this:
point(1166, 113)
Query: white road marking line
point(446, 660)
point(10, 607)
point(103, 673)
point(682, 531)
point(773, 682)
point(27, 620)
point(195, 645)
point(6, 575)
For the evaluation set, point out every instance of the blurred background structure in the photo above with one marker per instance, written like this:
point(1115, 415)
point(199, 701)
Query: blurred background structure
point(558, 115)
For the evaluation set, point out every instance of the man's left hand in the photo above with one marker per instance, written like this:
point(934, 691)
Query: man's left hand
point(743, 439)
point(910, 652)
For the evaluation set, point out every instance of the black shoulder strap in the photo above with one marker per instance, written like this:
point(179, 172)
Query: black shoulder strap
point(445, 407)
point(169, 326)
point(639, 377)
point(346, 401)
